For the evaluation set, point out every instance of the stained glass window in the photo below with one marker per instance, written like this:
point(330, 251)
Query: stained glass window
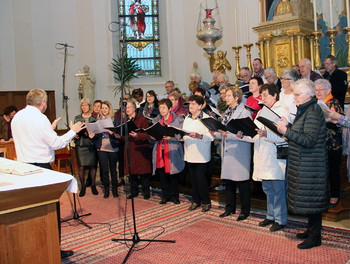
point(142, 34)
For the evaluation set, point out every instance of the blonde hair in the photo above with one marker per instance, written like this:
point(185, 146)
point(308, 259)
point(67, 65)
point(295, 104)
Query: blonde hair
point(36, 96)
point(110, 111)
point(236, 92)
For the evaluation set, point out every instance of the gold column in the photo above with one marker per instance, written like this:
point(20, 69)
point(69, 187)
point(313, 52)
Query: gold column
point(262, 52)
point(347, 29)
point(302, 37)
point(238, 68)
point(299, 47)
point(268, 53)
point(259, 48)
point(292, 50)
point(312, 52)
point(331, 34)
point(248, 46)
point(318, 64)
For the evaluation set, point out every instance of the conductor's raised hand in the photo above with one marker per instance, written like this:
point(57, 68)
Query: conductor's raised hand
point(54, 123)
point(77, 127)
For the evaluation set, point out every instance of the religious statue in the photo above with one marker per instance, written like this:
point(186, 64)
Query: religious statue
point(219, 64)
point(137, 18)
point(87, 83)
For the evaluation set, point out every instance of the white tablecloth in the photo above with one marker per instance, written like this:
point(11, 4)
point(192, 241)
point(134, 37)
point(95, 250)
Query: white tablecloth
point(9, 182)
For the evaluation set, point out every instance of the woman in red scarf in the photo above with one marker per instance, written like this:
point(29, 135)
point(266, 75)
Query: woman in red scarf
point(168, 154)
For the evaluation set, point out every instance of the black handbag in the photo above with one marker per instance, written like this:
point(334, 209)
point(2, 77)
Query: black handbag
point(282, 151)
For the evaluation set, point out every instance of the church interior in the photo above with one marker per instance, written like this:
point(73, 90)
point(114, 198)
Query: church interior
point(68, 48)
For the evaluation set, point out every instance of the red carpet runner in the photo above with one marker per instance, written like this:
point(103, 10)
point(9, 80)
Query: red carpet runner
point(200, 237)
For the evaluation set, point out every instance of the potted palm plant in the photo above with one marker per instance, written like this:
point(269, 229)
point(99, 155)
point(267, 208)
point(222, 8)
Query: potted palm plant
point(130, 69)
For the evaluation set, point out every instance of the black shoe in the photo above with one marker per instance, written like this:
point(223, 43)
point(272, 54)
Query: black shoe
point(266, 222)
point(106, 191)
point(226, 213)
point(82, 191)
point(206, 207)
point(176, 201)
point(163, 201)
point(304, 235)
point(146, 197)
point(193, 206)
point(242, 217)
point(66, 253)
point(121, 182)
point(94, 190)
point(310, 243)
point(130, 196)
point(115, 192)
point(276, 227)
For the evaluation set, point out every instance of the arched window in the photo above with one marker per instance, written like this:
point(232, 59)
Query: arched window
point(142, 34)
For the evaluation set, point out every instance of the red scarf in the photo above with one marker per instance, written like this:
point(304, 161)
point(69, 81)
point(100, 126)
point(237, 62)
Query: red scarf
point(164, 161)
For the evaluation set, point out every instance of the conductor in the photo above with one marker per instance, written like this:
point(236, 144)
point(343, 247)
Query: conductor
point(35, 138)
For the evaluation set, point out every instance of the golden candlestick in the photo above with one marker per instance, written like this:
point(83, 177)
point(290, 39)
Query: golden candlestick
point(317, 35)
point(331, 34)
point(347, 29)
point(238, 68)
point(258, 45)
point(248, 46)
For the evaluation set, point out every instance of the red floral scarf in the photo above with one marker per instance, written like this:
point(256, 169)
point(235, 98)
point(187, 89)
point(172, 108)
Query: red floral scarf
point(164, 161)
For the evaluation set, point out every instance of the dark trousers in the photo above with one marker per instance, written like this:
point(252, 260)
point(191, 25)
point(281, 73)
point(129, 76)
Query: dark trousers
point(58, 211)
point(244, 193)
point(145, 179)
point(169, 184)
point(314, 226)
point(334, 160)
point(108, 163)
point(200, 191)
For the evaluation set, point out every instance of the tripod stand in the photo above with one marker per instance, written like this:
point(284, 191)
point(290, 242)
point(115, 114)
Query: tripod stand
point(65, 98)
point(135, 239)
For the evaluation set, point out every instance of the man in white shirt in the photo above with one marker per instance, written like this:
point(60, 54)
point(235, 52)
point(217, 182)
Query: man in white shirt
point(35, 138)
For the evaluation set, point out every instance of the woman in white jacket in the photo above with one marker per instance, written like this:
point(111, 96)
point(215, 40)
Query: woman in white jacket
point(235, 156)
point(267, 168)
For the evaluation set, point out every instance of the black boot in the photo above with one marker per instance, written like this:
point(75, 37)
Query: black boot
point(106, 191)
point(310, 243)
point(94, 190)
point(82, 190)
point(115, 191)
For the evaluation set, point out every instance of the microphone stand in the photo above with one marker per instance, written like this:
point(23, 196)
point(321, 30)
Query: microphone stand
point(135, 239)
point(65, 98)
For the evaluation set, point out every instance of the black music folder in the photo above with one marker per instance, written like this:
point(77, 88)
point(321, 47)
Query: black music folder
point(131, 127)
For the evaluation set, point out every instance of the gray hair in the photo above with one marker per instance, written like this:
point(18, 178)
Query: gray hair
point(196, 75)
point(247, 69)
point(131, 101)
point(223, 76)
point(270, 69)
point(325, 84)
point(304, 86)
point(224, 87)
point(85, 100)
point(291, 73)
point(36, 96)
point(308, 62)
point(332, 58)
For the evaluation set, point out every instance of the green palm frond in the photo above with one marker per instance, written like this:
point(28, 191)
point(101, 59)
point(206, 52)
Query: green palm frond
point(130, 69)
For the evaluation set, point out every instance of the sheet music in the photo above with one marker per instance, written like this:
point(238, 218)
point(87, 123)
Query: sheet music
point(325, 109)
point(215, 111)
point(99, 126)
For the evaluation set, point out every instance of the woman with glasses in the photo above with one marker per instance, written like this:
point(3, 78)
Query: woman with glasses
point(288, 77)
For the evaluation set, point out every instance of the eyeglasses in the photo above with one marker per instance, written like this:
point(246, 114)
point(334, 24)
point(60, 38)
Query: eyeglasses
point(285, 79)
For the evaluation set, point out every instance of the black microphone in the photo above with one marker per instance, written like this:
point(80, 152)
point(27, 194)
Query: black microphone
point(65, 45)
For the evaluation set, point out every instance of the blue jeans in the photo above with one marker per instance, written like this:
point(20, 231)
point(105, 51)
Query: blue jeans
point(275, 191)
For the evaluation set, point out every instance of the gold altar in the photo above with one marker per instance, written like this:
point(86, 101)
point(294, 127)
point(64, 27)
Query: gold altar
point(288, 37)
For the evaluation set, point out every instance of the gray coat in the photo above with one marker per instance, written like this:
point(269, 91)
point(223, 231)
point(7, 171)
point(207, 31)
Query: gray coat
point(176, 152)
point(235, 153)
point(308, 161)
